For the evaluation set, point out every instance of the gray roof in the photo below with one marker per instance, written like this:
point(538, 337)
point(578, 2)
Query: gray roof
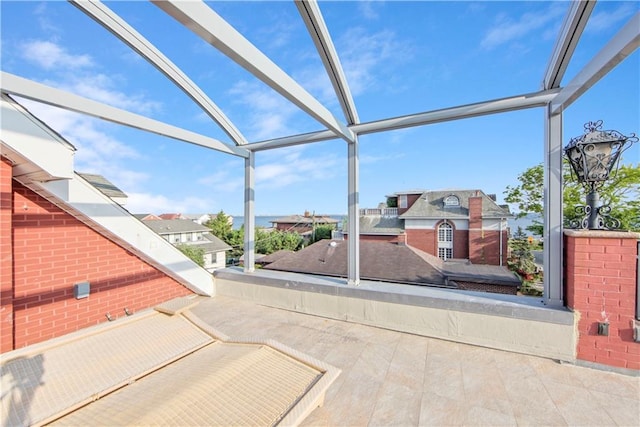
point(431, 205)
point(103, 184)
point(377, 224)
point(210, 243)
point(169, 226)
point(275, 256)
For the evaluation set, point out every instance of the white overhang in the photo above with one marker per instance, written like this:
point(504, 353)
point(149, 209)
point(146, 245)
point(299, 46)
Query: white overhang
point(26, 142)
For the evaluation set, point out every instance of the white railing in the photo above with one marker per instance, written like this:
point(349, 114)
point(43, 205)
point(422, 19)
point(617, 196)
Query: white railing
point(379, 211)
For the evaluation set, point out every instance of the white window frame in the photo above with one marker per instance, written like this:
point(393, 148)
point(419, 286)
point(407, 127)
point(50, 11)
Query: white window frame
point(445, 241)
point(452, 200)
point(402, 201)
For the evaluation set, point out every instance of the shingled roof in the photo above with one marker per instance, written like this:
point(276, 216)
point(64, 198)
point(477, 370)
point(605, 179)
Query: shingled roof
point(383, 261)
point(171, 226)
point(431, 205)
point(390, 262)
point(379, 224)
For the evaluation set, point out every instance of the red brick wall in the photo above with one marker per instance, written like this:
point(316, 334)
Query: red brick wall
point(377, 238)
point(52, 251)
point(6, 258)
point(427, 240)
point(477, 252)
point(600, 276)
point(460, 244)
point(484, 247)
point(423, 239)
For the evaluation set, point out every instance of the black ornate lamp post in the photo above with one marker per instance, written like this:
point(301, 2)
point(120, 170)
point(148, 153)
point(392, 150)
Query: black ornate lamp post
point(593, 156)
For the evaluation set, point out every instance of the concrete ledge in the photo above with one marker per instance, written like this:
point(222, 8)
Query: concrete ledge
point(505, 322)
point(602, 234)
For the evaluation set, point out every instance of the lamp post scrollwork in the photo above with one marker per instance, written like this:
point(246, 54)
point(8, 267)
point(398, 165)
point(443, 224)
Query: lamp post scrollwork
point(593, 156)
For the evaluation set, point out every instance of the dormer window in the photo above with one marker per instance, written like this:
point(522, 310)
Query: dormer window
point(402, 201)
point(451, 201)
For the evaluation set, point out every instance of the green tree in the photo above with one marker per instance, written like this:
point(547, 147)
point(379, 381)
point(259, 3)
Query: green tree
point(522, 261)
point(621, 192)
point(268, 242)
point(322, 232)
point(220, 226)
point(196, 254)
point(235, 239)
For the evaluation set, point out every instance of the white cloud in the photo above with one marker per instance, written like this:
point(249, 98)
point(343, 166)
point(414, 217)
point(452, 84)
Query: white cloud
point(267, 113)
point(364, 56)
point(138, 203)
point(604, 20)
point(49, 55)
point(77, 74)
point(291, 166)
point(97, 150)
point(101, 87)
point(507, 29)
point(222, 180)
point(369, 9)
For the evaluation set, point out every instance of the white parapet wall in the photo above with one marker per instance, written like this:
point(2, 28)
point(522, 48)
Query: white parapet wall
point(504, 322)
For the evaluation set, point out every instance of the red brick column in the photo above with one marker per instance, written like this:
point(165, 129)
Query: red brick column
point(477, 253)
point(600, 284)
point(6, 257)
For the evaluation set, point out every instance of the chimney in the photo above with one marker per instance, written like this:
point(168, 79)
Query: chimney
point(402, 239)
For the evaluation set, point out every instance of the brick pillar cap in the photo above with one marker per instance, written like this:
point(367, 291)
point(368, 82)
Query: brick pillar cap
point(602, 234)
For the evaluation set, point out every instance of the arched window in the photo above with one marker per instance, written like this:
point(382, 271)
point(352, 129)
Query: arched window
point(452, 201)
point(445, 241)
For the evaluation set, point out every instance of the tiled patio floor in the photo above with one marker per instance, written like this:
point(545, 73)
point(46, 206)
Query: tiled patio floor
point(397, 379)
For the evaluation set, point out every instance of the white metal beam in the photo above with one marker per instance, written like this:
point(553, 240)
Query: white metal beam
point(353, 242)
point(249, 213)
point(209, 26)
point(312, 17)
point(619, 47)
point(136, 41)
point(19, 86)
point(519, 102)
point(572, 28)
point(553, 218)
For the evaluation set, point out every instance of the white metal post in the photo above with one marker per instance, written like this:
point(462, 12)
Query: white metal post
point(249, 213)
point(553, 255)
point(353, 277)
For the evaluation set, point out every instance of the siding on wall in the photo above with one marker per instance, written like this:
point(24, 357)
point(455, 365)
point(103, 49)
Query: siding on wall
point(52, 251)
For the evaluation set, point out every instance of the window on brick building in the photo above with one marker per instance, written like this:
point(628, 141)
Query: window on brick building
point(452, 201)
point(402, 201)
point(445, 241)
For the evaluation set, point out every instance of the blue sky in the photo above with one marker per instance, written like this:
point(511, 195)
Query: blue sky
point(399, 58)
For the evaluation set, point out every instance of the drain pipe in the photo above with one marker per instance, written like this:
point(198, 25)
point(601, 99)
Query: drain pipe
point(500, 237)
